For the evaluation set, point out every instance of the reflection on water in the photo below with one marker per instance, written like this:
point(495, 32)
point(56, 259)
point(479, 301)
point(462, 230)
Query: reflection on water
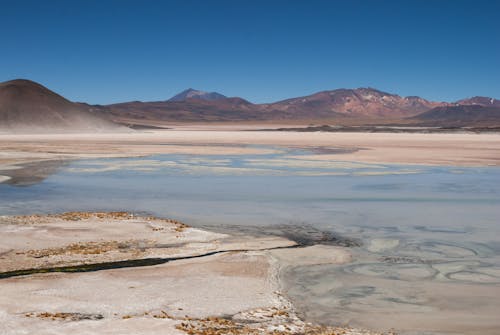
point(426, 240)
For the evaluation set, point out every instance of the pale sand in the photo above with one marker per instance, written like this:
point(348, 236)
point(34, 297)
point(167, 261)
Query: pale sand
point(429, 149)
point(172, 298)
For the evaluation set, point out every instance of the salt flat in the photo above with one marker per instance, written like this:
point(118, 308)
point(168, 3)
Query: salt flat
point(429, 149)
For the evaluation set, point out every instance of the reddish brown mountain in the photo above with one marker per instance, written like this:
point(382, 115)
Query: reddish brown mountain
point(25, 104)
point(343, 103)
point(361, 102)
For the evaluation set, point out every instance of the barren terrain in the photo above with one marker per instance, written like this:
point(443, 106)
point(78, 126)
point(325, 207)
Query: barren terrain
point(398, 148)
point(209, 283)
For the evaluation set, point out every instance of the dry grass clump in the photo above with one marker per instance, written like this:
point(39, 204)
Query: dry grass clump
point(78, 216)
point(281, 322)
point(24, 219)
point(92, 248)
point(215, 326)
point(179, 226)
point(222, 326)
point(320, 330)
point(65, 316)
point(161, 315)
point(156, 315)
point(68, 216)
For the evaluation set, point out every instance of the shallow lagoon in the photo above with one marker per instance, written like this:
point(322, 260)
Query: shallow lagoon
point(430, 254)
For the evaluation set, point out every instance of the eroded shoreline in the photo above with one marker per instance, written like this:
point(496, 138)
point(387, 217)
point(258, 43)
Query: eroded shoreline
point(212, 284)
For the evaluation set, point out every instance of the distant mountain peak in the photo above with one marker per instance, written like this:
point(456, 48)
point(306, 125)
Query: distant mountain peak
point(482, 101)
point(191, 93)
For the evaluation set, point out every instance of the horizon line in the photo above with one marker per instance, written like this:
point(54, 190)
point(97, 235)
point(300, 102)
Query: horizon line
point(255, 103)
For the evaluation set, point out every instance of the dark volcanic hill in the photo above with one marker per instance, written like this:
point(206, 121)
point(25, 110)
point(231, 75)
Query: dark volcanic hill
point(196, 94)
point(25, 104)
point(461, 116)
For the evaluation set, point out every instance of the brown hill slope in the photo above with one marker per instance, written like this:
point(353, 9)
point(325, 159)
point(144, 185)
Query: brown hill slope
point(25, 104)
point(360, 102)
point(190, 110)
point(460, 116)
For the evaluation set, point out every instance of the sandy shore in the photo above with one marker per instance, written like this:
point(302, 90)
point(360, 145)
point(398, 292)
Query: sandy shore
point(213, 284)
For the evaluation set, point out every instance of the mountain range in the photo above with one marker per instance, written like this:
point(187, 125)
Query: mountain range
point(24, 103)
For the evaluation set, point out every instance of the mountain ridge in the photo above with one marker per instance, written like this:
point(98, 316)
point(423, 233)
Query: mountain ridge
point(30, 104)
point(333, 104)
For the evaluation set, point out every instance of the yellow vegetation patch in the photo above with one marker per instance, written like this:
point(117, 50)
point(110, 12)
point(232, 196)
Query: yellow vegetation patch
point(78, 216)
point(221, 326)
point(92, 248)
point(75, 216)
point(64, 316)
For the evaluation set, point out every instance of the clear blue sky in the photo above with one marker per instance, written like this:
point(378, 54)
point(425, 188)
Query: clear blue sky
point(105, 51)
